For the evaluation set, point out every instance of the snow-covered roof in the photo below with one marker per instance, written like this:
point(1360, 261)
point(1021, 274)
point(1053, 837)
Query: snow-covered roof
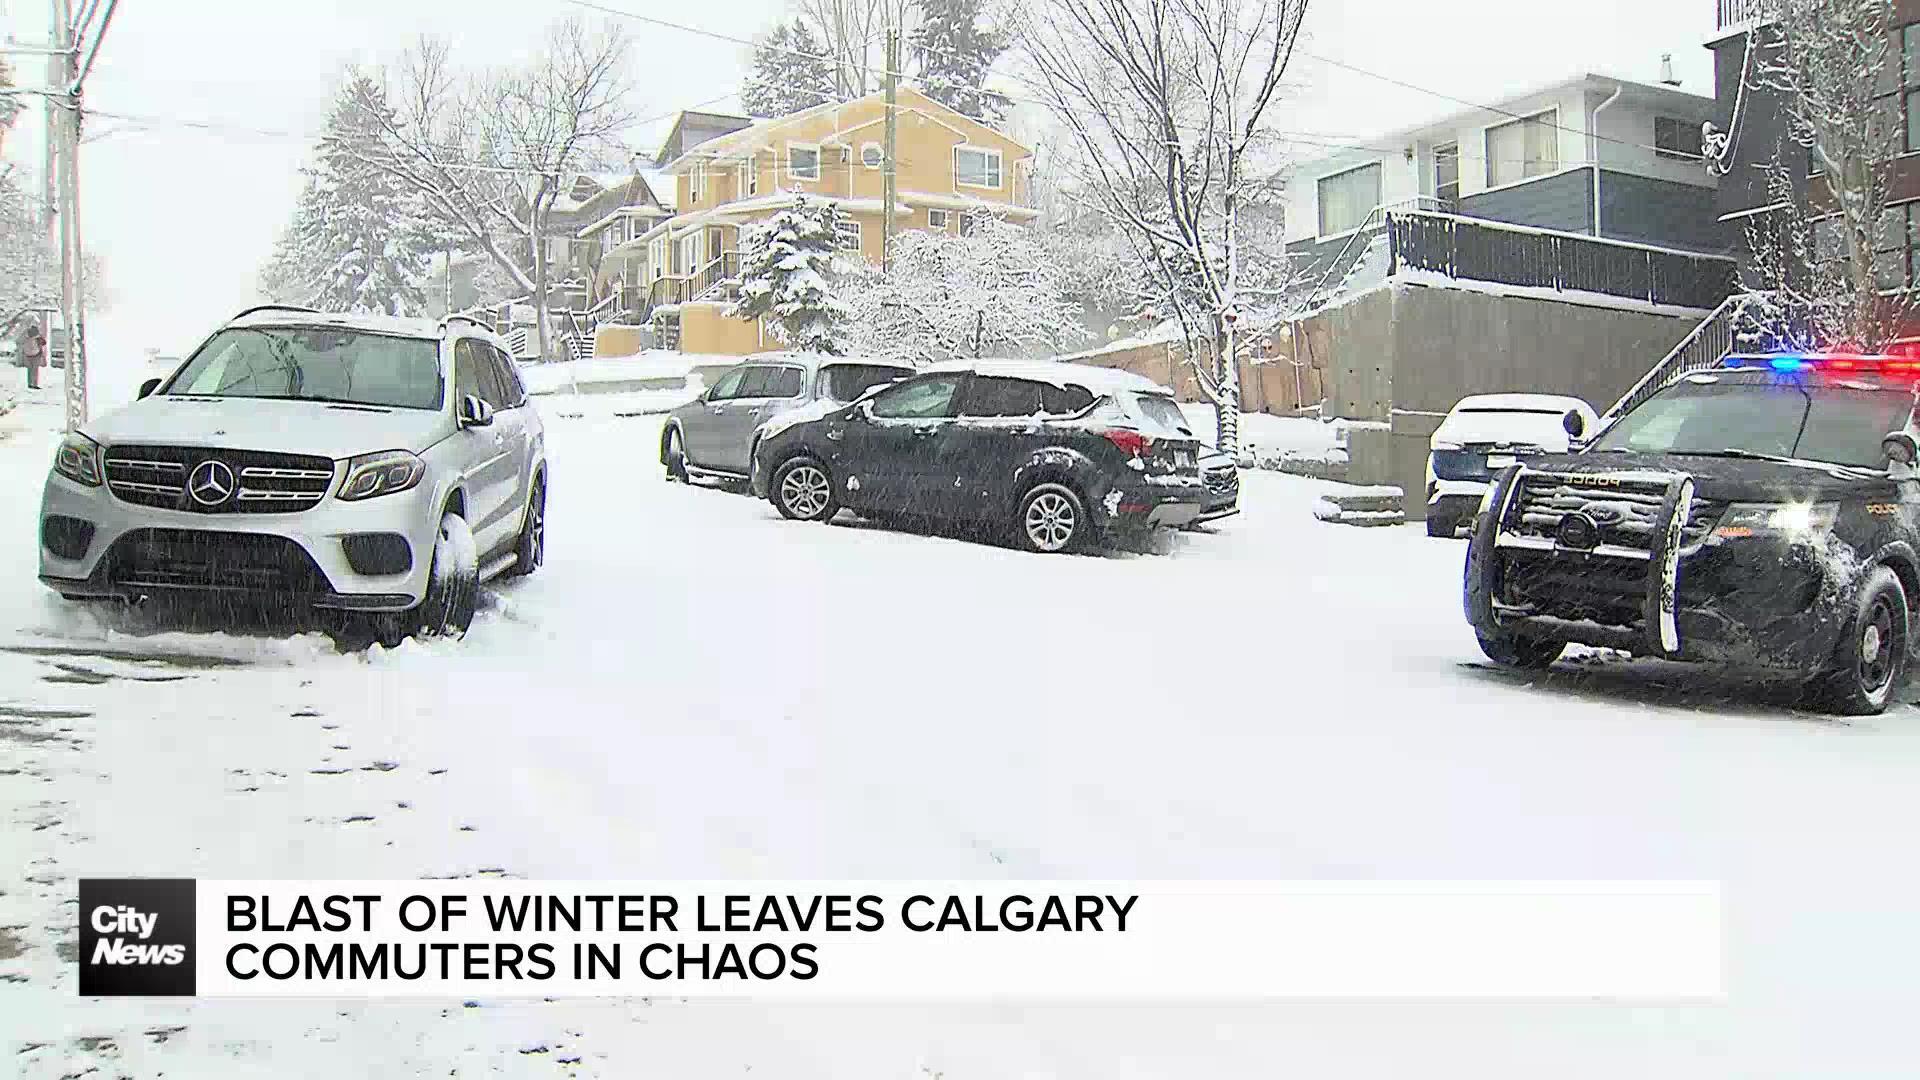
point(1445, 126)
point(1100, 380)
point(908, 99)
point(661, 183)
point(1522, 402)
point(814, 361)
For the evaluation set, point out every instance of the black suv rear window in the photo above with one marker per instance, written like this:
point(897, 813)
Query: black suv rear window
point(1163, 411)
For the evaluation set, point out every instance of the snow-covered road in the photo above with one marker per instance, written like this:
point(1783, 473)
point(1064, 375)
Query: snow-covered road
point(694, 687)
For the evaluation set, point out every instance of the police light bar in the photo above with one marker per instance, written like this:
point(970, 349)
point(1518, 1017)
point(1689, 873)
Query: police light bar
point(1837, 363)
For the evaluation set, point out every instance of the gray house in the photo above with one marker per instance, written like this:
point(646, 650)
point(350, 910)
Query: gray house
point(1561, 241)
point(1591, 154)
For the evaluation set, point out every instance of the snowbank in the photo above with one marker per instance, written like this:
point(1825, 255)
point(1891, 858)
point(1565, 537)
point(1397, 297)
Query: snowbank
point(653, 364)
point(1271, 442)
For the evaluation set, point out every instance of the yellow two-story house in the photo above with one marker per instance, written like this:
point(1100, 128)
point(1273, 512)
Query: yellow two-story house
point(950, 171)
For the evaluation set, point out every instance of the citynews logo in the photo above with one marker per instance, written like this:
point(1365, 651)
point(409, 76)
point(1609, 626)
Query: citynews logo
point(136, 937)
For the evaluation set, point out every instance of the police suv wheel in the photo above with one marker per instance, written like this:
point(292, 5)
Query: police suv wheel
point(1520, 652)
point(1872, 658)
point(802, 489)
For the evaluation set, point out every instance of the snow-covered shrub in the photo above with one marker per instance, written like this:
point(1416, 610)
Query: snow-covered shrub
point(995, 292)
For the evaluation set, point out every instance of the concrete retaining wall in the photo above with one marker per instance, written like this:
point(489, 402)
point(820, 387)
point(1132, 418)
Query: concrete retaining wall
point(1403, 356)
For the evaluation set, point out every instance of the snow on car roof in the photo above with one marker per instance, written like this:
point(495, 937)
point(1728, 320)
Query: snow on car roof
point(400, 326)
point(1523, 402)
point(814, 361)
point(1100, 380)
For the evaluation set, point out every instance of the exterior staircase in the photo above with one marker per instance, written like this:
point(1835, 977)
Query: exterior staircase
point(1705, 347)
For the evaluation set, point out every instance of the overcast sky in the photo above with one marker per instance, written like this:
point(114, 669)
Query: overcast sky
point(183, 217)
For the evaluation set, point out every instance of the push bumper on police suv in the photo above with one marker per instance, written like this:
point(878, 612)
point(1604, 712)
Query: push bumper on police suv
point(1631, 560)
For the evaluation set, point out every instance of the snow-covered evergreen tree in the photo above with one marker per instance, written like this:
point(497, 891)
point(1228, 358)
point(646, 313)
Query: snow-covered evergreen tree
point(995, 292)
point(790, 72)
point(369, 235)
point(787, 272)
point(360, 240)
point(952, 53)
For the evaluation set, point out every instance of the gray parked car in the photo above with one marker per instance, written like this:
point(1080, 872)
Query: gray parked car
point(712, 436)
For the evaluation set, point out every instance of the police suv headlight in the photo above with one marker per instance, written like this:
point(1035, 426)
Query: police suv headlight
point(1791, 520)
point(78, 459)
point(385, 473)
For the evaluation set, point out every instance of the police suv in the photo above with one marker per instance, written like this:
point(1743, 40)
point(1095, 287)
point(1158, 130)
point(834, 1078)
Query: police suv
point(1761, 514)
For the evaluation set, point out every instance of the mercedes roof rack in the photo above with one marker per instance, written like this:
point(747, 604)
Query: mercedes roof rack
point(277, 307)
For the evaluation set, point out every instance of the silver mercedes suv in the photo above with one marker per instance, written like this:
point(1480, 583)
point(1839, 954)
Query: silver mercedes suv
point(377, 466)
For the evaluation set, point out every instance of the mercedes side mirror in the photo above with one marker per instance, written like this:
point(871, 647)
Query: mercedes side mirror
point(147, 388)
point(1574, 424)
point(1901, 452)
point(474, 412)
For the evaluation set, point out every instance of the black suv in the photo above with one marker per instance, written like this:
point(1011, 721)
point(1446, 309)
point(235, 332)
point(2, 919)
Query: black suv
point(1060, 452)
point(1762, 514)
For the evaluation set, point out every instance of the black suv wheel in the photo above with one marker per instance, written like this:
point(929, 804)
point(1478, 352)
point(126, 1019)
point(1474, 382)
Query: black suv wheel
point(1052, 518)
point(1873, 649)
point(802, 489)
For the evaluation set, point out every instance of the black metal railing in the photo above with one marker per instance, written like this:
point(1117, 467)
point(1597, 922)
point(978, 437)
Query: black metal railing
point(1728, 14)
point(1467, 249)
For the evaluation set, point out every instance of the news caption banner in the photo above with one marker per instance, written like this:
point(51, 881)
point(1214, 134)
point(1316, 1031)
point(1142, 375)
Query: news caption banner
point(930, 940)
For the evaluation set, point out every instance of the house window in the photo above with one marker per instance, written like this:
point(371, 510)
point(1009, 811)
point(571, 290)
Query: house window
point(1676, 138)
point(690, 259)
point(752, 171)
point(1523, 148)
point(803, 162)
point(974, 167)
point(1910, 87)
point(1896, 246)
point(657, 259)
point(846, 234)
point(871, 156)
point(696, 181)
point(1347, 198)
point(968, 223)
point(937, 219)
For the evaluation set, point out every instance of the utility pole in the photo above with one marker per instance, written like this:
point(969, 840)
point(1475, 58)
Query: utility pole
point(886, 161)
point(66, 132)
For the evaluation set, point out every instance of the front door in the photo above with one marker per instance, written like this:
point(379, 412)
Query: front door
point(766, 389)
point(892, 448)
point(486, 457)
point(703, 430)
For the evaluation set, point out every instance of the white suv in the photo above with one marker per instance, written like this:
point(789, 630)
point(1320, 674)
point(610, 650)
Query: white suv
point(349, 463)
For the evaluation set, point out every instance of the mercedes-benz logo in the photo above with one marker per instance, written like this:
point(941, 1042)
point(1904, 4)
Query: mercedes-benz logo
point(211, 483)
point(1578, 531)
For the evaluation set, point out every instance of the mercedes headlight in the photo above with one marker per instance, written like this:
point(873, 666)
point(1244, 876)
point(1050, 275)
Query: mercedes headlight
point(372, 475)
point(1790, 520)
point(78, 459)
